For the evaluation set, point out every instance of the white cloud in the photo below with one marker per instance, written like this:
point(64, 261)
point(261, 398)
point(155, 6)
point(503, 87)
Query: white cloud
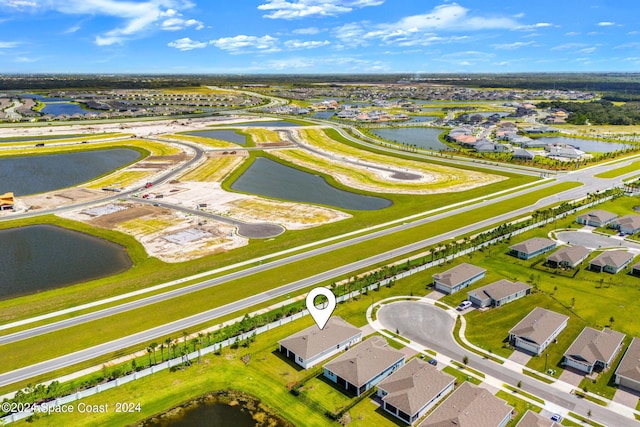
point(534, 26)
point(606, 24)
point(572, 33)
point(8, 45)
point(186, 43)
point(294, 9)
point(307, 31)
point(569, 46)
point(138, 16)
point(512, 46)
point(175, 24)
point(298, 44)
point(421, 29)
point(246, 44)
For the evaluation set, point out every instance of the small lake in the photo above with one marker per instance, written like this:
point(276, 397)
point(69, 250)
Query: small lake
point(587, 145)
point(39, 174)
point(421, 119)
point(41, 257)
point(278, 123)
point(422, 137)
point(207, 414)
point(61, 108)
point(43, 98)
point(222, 134)
point(268, 178)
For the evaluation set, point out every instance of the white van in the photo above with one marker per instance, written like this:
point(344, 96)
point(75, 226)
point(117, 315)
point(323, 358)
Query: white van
point(464, 305)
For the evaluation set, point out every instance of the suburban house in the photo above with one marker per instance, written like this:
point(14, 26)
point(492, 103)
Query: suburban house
point(532, 247)
point(611, 261)
point(628, 372)
point(470, 405)
point(364, 365)
point(313, 345)
point(7, 201)
point(457, 278)
point(593, 349)
point(498, 293)
point(567, 257)
point(521, 153)
point(533, 419)
point(596, 218)
point(537, 330)
point(564, 151)
point(635, 270)
point(628, 224)
point(413, 390)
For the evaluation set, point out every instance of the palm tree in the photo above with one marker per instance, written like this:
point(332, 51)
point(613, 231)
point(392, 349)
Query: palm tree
point(162, 347)
point(185, 334)
point(168, 343)
point(154, 346)
point(149, 351)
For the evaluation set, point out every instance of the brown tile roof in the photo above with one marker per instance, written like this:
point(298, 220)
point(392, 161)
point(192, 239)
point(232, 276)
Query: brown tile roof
point(613, 258)
point(414, 385)
point(531, 419)
point(538, 325)
point(312, 341)
point(592, 345)
point(500, 289)
point(630, 364)
point(469, 406)
point(570, 254)
point(532, 245)
point(458, 274)
point(365, 361)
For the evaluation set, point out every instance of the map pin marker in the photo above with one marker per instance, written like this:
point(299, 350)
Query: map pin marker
point(321, 314)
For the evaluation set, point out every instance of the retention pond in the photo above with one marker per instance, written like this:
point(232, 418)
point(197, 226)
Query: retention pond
point(272, 179)
point(42, 257)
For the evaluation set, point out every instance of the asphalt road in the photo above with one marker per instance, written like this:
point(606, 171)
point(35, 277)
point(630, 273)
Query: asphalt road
point(432, 327)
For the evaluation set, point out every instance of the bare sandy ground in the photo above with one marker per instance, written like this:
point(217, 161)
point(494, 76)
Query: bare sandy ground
point(166, 234)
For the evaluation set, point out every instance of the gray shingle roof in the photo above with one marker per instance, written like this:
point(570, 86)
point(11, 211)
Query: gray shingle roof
point(365, 361)
point(500, 289)
point(532, 245)
point(313, 341)
point(458, 274)
point(469, 406)
point(593, 345)
point(630, 364)
point(531, 419)
point(414, 385)
point(539, 325)
point(598, 215)
point(613, 258)
point(570, 254)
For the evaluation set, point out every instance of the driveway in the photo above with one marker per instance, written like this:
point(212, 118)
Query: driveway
point(520, 357)
point(626, 397)
point(572, 377)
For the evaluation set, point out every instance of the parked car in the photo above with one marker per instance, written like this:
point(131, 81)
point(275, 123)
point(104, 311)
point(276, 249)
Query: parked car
point(556, 418)
point(433, 362)
point(148, 184)
point(464, 305)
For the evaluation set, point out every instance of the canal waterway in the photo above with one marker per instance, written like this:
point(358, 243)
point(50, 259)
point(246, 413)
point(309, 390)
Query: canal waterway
point(41, 257)
point(39, 174)
point(268, 178)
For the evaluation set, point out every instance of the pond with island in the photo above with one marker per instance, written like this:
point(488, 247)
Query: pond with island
point(39, 174)
point(269, 178)
point(37, 258)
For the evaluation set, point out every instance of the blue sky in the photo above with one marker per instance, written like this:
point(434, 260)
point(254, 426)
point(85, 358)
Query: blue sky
point(318, 36)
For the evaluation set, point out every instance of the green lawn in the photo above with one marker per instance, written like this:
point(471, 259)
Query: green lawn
point(460, 375)
point(521, 406)
point(614, 173)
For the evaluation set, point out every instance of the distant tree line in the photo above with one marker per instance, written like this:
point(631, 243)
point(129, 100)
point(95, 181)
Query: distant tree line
point(600, 112)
